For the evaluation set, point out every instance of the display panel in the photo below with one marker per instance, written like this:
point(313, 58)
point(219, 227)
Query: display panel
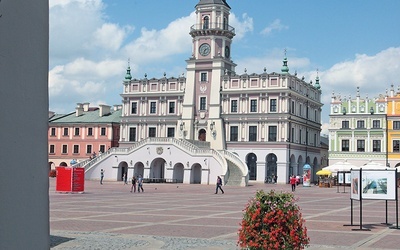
point(379, 184)
point(373, 184)
point(340, 177)
point(355, 186)
point(347, 178)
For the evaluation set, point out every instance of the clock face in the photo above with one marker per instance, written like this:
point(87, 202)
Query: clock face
point(204, 49)
point(227, 52)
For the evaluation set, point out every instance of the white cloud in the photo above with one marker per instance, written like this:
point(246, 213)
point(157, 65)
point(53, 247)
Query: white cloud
point(110, 36)
point(88, 53)
point(372, 73)
point(366, 71)
point(154, 45)
point(84, 81)
point(241, 27)
point(72, 24)
point(275, 25)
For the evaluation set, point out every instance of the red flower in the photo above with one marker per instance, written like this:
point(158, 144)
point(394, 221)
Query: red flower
point(272, 221)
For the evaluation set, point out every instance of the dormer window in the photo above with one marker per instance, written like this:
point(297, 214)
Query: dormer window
point(362, 109)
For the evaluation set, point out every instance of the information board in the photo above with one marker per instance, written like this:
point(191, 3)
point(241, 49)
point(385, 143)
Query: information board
point(70, 179)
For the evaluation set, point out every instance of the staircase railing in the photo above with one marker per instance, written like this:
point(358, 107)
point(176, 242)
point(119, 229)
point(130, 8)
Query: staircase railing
point(239, 163)
point(185, 145)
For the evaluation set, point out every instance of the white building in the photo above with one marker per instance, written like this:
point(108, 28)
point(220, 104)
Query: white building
point(213, 121)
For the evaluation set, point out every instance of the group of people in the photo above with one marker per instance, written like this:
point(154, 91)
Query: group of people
point(139, 182)
point(294, 181)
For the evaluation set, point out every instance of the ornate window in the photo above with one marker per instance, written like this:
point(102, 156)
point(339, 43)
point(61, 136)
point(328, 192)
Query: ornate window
point(360, 145)
point(396, 144)
point(234, 134)
point(203, 103)
point(376, 124)
point(171, 132)
point(171, 109)
point(272, 105)
point(152, 132)
point(134, 108)
point(234, 106)
point(253, 133)
point(376, 146)
point(152, 107)
point(52, 149)
point(253, 105)
point(345, 145)
point(132, 134)
point(203, 77)
point(396, 125)
point(272, 133)
point(360, 124)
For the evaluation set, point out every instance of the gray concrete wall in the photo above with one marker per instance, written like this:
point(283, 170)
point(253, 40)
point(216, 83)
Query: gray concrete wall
point(24, 182)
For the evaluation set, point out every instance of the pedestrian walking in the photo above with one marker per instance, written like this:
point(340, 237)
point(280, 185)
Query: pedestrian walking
point(219, 185)
point(125, 178)
point(133, 187)
point(275, 179)
point(293, 182)
point(140, 184)
point(101, 176)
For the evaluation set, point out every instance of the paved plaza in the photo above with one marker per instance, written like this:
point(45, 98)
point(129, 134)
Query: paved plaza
point(181, 216)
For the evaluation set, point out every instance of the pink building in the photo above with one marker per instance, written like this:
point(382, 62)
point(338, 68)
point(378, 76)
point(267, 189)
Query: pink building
point(83, 134)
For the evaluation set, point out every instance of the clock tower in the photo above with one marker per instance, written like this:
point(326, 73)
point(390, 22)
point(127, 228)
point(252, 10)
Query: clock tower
point(212, 37)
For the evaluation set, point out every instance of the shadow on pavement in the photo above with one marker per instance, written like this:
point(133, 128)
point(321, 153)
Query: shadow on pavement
point(57, 240)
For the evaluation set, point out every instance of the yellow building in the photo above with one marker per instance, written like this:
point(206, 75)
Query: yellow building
point(393, 133)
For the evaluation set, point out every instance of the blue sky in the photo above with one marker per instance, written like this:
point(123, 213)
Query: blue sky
point(351, 43)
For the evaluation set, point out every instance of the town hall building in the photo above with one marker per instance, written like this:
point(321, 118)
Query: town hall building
point(213, 121)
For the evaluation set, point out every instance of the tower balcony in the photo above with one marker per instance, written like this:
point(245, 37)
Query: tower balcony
point(212, 29)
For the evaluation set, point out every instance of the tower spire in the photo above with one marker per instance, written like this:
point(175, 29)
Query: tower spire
point(285, 68)
point(317, 82)
point(128, 76)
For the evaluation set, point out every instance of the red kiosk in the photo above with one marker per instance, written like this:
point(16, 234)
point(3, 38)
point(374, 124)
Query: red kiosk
point(71, 180)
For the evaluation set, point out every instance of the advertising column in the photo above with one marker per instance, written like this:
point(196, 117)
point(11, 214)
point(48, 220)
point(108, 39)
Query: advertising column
point(306, 175)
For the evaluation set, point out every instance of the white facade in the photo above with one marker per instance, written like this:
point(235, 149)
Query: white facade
point(262, 125)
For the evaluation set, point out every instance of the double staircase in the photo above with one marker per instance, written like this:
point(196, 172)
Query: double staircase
point(234, 170)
